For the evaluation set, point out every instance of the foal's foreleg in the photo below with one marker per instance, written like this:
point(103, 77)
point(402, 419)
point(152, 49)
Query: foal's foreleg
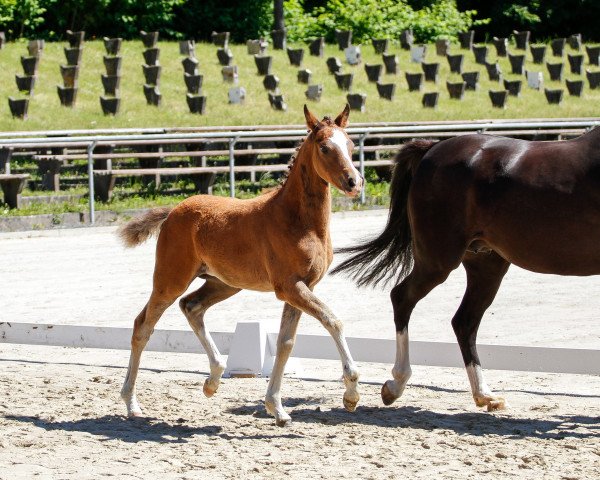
point(485, 272)
point(193, 307)
point(285, 344)
point(301, 297)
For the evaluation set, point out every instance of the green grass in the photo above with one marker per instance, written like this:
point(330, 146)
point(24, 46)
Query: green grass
point(45, 111)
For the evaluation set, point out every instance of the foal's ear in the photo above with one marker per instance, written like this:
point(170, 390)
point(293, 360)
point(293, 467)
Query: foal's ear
point(311, 121)
point(342, 119)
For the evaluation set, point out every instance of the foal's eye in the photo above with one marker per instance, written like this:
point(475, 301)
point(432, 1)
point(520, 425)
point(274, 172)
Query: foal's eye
point(324, 148)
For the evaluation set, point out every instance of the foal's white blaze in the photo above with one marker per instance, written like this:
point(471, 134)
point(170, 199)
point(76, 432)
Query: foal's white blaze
point(340, 141)
point(401, 371)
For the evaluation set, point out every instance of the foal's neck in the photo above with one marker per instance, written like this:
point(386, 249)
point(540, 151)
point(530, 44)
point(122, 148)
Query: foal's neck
point(305, 195)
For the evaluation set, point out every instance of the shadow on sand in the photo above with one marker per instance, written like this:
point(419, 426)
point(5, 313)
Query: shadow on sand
point(111, 427)
point(462, 423)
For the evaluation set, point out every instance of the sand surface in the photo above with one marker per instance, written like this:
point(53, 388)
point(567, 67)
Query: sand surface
point(61, 417)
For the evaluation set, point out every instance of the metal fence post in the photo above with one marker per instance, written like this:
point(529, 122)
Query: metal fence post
point(90, 151)
point(231, 167)
point(361, 161)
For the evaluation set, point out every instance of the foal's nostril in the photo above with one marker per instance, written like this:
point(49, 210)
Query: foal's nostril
point(351, 182)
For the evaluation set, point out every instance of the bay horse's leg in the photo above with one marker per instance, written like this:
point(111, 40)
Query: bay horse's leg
point(485, 272)
point(285, 344)
point(404, 297)
point(301, 297)
point(194, 306)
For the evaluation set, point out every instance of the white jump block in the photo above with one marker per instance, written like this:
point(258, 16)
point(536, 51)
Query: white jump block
point(252, 351)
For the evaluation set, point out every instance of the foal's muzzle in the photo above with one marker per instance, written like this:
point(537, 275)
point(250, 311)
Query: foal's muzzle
point(352, 185)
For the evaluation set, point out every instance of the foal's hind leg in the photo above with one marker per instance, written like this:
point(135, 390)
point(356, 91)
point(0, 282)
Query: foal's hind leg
point(404, 297)
point(194, 306)
point(173, 273)
point(485, 272)
point(142, 329)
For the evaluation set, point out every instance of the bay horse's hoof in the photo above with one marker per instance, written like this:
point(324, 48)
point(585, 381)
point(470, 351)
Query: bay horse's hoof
point(208, 389)
point(386, 394)
point(491, 403)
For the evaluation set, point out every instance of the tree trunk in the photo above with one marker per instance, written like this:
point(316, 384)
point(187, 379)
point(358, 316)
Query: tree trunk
point(278, 23)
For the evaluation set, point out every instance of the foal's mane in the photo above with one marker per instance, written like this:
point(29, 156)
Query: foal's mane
point(286, 174)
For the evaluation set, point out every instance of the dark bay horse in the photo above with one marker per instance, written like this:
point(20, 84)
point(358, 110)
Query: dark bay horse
point(485, 202)
point(277, 242)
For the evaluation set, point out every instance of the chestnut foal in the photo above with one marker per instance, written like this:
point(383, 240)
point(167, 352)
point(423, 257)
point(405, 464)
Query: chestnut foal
point(277, 242)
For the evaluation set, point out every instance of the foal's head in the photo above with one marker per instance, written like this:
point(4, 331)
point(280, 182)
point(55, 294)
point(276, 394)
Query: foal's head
point(332, 152)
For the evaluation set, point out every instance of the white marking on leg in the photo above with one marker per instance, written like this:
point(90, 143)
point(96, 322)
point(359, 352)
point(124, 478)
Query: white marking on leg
point(482, 394)
point(128, 390)
point(401, 370)
point(478, 385)
point(217, 364)
point(307, 301)
point(350, 373)
point(215, 360)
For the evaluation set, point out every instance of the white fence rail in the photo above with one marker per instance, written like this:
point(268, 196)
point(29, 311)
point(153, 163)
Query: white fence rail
point(251, 348)
point(89, 139)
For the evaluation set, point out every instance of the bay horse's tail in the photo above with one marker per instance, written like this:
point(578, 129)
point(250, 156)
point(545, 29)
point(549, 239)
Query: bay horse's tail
point(141, 228)
point(390, 254)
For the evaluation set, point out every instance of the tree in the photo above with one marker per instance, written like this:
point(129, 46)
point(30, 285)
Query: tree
point(278, 23)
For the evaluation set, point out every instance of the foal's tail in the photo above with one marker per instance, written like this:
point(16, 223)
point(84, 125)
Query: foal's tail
point(390, 254)
point(143, 227)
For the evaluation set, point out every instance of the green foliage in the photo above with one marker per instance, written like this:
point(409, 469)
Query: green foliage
point(523, 14)
point(245, 20)
point(21, 17)
point(377, 19)
point(545, 19)
point(443, 20)
point(125, 18)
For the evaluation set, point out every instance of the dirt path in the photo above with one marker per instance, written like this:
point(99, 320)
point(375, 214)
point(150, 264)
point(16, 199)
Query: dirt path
point(61, 418)
point(60, 415)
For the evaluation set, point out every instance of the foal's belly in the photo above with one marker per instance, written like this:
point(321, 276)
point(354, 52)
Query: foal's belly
point(243, 278)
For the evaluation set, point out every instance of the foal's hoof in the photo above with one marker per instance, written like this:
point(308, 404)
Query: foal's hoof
point(283, 421)
point(386, 394)
point(208, 389)
point(350, 405)
point(491, 403)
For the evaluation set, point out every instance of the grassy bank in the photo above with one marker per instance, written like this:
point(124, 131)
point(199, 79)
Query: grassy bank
point(45, 111)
